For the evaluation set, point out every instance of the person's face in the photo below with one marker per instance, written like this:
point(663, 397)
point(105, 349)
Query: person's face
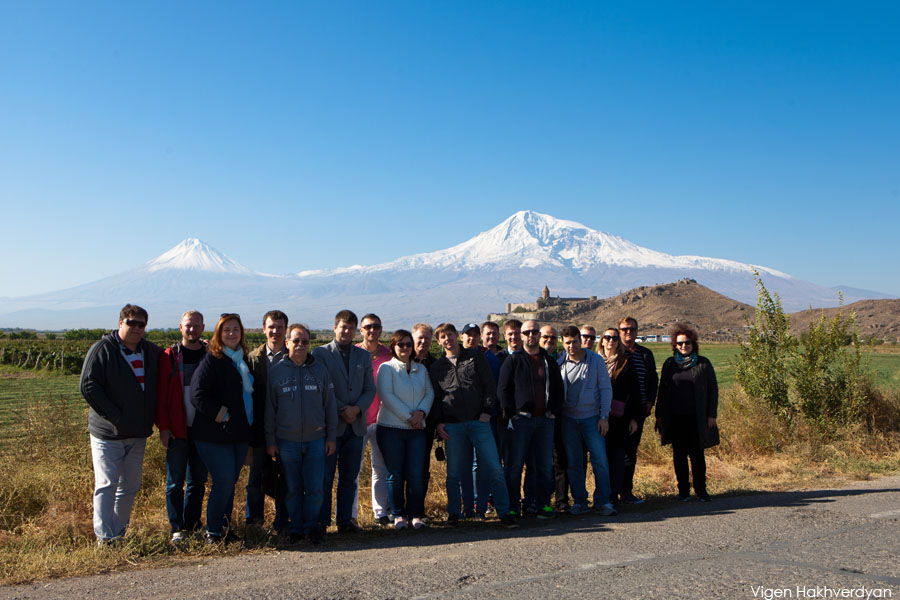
point(275, 330)
point(448, 340)
point(683, 344)
point(588, 338)
point(471, 339)
point(491, 336)
point(548, 338)
point(610, 341)
point(422, 341)
point(572, 345)
point(531, 335)
point(370, 330)
point(513, 336)
point(628, 331)
point(191, 328)
point(404, 349)
point(298, 346)
point(131, 330)
point(231, 333)
point(343, 332)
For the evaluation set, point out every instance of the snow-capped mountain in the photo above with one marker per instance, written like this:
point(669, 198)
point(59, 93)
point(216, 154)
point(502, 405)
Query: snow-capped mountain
point(509, 263)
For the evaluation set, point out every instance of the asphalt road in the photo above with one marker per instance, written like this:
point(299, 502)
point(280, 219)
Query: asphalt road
point(802, 544)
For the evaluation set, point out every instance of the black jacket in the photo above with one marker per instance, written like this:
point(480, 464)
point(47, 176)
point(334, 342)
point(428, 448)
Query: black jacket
point(516, 390)
point(120, 409)
point(216, 384)
point(464, 391)
point(706, 397)
point(625, 389)
point(651, 379)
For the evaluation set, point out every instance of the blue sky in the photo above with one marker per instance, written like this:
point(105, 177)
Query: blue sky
point(296, 135)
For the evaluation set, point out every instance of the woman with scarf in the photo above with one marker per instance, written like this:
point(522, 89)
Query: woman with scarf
point(221, 391)
point(686, 408)
point(626, 406)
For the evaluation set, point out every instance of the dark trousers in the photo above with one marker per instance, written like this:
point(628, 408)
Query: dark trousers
point(632, 441)
point(255, 506)
point(686, 444)
point(430, 434)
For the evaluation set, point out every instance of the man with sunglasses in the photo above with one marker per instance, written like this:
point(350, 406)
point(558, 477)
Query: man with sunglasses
point(118, 380)
point(531, 396)
point(648, 380)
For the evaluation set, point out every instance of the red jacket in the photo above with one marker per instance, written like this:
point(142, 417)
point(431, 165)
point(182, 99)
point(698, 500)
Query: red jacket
point(170, 414)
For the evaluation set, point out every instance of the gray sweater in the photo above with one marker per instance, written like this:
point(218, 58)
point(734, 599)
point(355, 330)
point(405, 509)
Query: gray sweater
point(300, 402)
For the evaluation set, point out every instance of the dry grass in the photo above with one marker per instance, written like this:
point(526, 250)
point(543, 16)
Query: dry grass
point(46, 485)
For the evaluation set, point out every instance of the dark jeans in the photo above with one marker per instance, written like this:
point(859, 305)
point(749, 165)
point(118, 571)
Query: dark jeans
point(578, 433)
point(535, 435)
point(183, 461)
point(304, 468)
point(632, 441)
point(462, 438)
point(615, 456)
point(347, 460)
point(224, 462)
point(686, 443)
point(254, 511)
point(402, 449)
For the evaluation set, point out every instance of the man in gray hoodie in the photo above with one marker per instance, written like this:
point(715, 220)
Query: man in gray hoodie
point(301, 427)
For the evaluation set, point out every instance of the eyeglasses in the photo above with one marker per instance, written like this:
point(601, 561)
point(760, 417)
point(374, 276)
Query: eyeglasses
point(624, 329)
point(135, 323)
point(372, 326)
point(300, 342)
point(611, 337)
point(548, 337)
point(531, 332)
point(685, 343)
point(404, 345)
point(588, 336)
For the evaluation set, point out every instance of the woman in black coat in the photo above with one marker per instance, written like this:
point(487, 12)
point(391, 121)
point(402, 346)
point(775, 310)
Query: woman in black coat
point(686, 408)
point(221, 391)
point(626, 406)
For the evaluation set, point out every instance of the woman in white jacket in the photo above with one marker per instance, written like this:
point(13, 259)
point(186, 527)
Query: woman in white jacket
point(406, 396)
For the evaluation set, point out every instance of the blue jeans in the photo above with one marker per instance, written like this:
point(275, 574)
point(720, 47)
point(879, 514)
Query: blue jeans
point(347, 460)
point(304, 471)
point(254, 511)
point(464, 437)
point(402, 451)
point(118, 465)
point(224, 462)
point(575, 431)
point(530, 435)
point(183, 461)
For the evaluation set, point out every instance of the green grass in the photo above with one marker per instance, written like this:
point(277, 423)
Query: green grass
point(20, 388)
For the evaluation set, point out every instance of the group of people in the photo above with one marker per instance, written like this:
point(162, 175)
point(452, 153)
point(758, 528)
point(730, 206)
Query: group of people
point(498, 415)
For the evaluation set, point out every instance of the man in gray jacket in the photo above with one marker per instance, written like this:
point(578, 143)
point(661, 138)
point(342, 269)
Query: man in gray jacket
point(118, 380)
point(350, 369)
point(301, 426)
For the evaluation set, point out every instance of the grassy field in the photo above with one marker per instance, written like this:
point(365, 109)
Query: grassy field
point(46, 478)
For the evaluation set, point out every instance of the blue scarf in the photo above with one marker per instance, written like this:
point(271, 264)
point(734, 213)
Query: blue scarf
point(686, 362)
point(237, 357)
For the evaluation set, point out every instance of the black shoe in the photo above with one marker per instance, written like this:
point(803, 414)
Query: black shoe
point(704, 497)
point(509, 520)
point(631, 499)
point(383, 521)
point(469, 514)
point(316, 536)
point(453, 520)
point(296, 538)
point(212, 538)
point(684, 497)
point(349, 527)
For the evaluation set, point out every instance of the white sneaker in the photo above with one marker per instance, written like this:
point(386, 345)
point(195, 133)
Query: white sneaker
point(177, 536)
point(418, 523)
point(399, 523)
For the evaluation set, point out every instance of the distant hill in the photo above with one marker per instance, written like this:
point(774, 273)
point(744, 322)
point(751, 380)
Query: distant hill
point(716, 317)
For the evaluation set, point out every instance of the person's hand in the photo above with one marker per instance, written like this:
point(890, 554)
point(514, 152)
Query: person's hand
point(442, 432)
point(550, 415)
point(164, 437)
point(632, 426)
point(349, 413)
point(330, 448)
point(272, 450)
point(484, 418)
point(711, 422)
point(416, 419)
point(602, 426)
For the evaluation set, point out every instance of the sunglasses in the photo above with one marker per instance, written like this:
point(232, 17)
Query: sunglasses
point(627, 328)
point(588, 336)
point(531, 332)
point(548, 337)
point(687, 343)
point(611, 337)
point(404, 345)
point(300, 342)
point(372, 326)
point(135, 323)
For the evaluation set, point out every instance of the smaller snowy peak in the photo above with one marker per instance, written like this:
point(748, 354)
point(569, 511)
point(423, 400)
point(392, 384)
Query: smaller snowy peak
point(194, 255)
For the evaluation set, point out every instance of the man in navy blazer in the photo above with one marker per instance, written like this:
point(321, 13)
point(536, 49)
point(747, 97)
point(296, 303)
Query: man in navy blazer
point(350, 369)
